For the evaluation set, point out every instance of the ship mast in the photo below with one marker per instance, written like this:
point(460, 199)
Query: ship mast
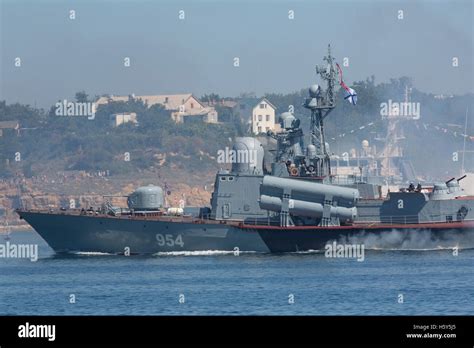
point(321, 103)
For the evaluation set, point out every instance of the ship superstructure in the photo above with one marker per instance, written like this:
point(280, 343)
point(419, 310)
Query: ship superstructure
point(299, 205)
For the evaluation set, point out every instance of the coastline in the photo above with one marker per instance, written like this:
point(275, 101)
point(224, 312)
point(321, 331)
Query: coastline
point(16, 228)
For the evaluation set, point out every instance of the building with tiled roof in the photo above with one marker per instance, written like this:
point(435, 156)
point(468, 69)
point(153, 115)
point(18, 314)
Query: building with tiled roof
point(180, 105)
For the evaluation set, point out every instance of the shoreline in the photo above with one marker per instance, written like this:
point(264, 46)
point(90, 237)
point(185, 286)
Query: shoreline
point(16, 228)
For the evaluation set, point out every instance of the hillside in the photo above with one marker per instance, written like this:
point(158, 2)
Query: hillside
point(51, 159)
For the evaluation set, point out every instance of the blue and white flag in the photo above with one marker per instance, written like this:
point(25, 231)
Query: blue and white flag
point(349, 94)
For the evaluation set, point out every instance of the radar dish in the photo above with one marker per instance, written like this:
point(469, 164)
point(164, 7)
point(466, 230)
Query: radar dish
point(314, 91)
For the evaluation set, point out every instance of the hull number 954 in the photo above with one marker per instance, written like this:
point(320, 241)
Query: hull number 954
point(169, 240)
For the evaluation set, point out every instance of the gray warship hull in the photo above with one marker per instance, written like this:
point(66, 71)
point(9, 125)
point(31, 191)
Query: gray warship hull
point(117, 235)
point(77, 233)
point(417, 236)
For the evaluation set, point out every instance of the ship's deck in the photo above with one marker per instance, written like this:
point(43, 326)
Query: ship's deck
point(149, 216)
point(407, 223)
point(467, 224)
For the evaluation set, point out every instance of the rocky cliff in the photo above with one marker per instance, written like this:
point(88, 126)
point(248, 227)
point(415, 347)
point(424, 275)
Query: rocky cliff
point(84, 191)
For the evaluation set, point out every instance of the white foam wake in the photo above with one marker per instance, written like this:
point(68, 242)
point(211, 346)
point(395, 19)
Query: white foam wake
point(310, 251)
point(201, 253)
point(416, 240)
point(89, 253)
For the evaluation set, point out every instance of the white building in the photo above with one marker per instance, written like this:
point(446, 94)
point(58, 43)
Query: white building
point(263, 117)
point(180, 105)
point(121, 118)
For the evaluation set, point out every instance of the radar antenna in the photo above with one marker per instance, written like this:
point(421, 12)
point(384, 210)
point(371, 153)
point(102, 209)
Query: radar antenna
point(321, 103)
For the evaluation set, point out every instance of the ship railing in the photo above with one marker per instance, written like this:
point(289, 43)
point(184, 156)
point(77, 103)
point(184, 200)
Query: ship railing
point(261, 221)
point(347, 179)
point(407, 219)
point(389, 219)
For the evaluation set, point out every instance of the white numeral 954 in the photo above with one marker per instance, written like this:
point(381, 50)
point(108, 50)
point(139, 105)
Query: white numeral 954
point(169, 240)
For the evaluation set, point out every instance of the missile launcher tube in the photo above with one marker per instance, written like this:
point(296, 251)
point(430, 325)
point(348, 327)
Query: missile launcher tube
point(309, 191)
point(308, 209)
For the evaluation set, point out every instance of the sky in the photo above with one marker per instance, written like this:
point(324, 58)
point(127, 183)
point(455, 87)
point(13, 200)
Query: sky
point(168, 55)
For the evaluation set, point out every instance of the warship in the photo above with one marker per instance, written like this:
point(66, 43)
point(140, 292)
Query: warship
point(296, 205)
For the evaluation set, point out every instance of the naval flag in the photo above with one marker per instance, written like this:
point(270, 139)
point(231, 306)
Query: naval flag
point(349, 94)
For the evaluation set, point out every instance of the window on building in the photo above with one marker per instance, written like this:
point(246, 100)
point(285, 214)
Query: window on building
point(267, 118)
point(259, 117)
point(267, 129)
point(192, 105)
point(263, 106)
point(259, 129)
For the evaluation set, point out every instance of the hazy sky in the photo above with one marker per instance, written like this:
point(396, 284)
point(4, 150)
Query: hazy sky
point(60, 56)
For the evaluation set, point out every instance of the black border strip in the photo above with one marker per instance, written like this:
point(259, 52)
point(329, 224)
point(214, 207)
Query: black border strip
point(140, 330)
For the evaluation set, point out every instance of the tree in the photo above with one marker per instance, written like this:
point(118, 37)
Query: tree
point(211, 98)
point(82, 97)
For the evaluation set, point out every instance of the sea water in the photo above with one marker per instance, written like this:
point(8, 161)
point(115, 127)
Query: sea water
point(388, 282)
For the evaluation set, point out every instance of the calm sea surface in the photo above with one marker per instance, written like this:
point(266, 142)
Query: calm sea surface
point(430, 281)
